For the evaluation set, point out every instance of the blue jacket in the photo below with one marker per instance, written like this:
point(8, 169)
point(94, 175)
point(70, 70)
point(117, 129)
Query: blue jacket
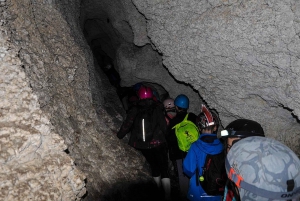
point(196, 158)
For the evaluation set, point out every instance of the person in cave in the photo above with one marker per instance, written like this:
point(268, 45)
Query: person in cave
point(262, 169)
point(170, 111)
point(233, 132)
point(194, 164)
point(176, 155)
point(147, 124)
point(112, 74)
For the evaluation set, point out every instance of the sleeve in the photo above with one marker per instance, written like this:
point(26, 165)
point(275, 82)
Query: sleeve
point(127, 124)
point(190, 162)
point(169, 128)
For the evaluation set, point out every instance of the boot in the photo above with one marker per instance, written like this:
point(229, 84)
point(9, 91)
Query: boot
point(166, 184)
point(157, 181)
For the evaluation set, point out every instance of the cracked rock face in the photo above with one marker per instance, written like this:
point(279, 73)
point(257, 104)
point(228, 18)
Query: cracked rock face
point(59, 113)
point(241, 56)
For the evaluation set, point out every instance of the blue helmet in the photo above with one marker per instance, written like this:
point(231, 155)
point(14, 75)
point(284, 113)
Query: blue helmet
point(182, 101)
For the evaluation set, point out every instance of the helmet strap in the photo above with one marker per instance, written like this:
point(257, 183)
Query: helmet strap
point(290, 186)
point(231, 186)
point(171, 110)
point(236, 193)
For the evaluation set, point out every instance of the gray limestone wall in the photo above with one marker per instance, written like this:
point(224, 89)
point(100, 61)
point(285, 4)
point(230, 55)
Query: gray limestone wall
point(33, 161)
point(58, 115)
point(241, 56)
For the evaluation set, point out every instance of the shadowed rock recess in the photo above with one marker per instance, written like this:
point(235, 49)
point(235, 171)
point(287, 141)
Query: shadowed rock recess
point(59, 113)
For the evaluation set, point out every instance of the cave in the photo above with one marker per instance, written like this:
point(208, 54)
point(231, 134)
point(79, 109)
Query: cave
point(60, 111)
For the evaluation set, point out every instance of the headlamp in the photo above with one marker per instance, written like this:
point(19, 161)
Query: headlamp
point(224, 133)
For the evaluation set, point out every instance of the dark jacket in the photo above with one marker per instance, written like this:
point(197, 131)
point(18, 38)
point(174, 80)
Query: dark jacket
point(174, 152)
point(159, 123)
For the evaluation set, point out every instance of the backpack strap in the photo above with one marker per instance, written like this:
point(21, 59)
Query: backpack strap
point(197, 176)
point(197, 168)
point(167, 116)
point(186, 117)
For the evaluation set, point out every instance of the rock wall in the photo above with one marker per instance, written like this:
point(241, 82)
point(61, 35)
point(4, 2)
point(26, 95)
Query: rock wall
point(119, 29)
point(137, 64)
point(33, 163)
point(59, 116)
point(241, 56)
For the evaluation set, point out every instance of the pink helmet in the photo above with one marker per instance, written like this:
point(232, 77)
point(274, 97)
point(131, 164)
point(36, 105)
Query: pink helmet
point(169, 103)
point(145, 92)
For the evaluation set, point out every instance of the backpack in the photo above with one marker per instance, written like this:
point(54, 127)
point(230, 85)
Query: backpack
point(187, 133)
point(213, 177)
point(144, 124)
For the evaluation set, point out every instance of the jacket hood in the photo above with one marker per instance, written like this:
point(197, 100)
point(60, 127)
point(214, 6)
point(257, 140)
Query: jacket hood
point(214, 147)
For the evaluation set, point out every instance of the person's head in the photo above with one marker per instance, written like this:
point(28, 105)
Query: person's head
point(263, 169)
point(181, 102)
point(107, 67)
point(169, 104)
point(107, 63)
point(238, 129)
point(145, 92)
point(207, 120)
